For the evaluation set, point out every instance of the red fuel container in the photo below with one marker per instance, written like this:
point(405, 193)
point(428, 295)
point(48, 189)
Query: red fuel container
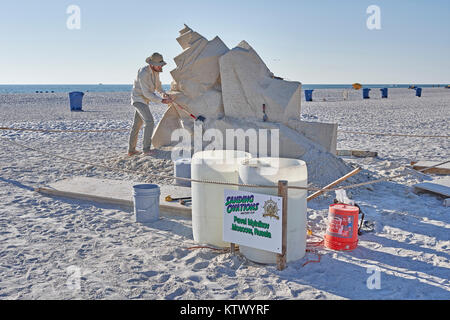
point(342, 229)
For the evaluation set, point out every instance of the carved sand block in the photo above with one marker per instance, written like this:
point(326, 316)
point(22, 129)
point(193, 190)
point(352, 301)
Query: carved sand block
point(247, 84)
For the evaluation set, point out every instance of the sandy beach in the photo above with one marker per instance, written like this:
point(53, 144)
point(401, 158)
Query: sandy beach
point(46, 241)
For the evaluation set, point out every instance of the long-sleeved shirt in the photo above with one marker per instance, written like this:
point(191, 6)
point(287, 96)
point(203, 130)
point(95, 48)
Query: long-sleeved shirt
point(145, 85)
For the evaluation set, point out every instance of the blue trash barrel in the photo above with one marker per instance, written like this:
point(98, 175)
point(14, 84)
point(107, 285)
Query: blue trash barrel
point(308, 95)
point(384, 92)
point(76, 100)
point(366, 93)
point(418, 92)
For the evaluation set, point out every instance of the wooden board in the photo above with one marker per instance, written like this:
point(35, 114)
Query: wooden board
point(442, 169)
point(447, 202)
point(439, 186)
point(334, 183)
point(357, 153)
point(115, 192)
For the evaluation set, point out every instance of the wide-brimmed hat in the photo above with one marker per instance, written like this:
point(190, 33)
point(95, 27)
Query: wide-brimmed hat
point(156, 59)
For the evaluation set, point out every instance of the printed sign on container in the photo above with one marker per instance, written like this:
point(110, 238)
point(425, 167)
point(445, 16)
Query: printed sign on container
point(253, 220)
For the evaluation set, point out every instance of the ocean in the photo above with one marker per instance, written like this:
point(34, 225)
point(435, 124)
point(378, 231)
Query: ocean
point(52, 88)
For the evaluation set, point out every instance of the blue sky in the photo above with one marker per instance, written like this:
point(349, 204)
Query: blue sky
point(321, 41)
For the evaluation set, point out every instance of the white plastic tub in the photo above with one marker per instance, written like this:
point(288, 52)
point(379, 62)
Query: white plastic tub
point(268, 171)
point(207, 199)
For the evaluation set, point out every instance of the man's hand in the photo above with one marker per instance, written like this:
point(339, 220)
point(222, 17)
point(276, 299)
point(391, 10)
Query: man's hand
point(166, 100)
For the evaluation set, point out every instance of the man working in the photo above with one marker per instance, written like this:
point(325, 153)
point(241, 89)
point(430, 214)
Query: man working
point(145, 85)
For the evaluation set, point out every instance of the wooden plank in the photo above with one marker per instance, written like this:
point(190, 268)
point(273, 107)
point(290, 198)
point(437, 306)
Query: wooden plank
point(364, 154)
point(85, 197)
point(283, 192)
point(344, 153)
point(357, 153)
point(334, 183)
point(436, 188)
point(166, 209)
point(117, 189)
point(421, 165)
point(447, 202)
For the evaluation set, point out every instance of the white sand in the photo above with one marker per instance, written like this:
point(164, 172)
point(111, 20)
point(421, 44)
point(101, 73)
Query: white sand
point(46, 242)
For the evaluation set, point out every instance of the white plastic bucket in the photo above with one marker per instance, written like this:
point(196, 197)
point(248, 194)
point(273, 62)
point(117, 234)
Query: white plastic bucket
point(146, 202)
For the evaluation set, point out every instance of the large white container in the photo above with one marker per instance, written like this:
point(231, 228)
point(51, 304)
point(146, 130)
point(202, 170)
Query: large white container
point(207, 199)
point(268, 171)
point(146, 202)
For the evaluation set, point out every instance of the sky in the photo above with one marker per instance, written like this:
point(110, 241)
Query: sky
point(311, 41)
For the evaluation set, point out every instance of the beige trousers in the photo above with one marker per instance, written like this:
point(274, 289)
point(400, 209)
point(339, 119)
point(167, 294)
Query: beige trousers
point(144, 117)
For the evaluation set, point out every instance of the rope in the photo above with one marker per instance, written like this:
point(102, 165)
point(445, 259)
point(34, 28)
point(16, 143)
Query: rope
point(147, 173)
point(392, 134)
point(224, 250)
point(54, 130)
point(319, 256)
point(311, 247)
point(123, 130)
point(215, 182)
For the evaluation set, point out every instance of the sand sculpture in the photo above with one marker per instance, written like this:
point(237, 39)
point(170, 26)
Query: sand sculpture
point(196, 84)
point(229, 88)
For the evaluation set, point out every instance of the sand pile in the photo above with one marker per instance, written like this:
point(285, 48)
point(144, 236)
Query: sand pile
point(160, 164)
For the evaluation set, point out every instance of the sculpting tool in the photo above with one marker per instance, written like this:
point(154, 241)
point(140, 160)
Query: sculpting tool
point(185, 202)
point(264, 111)
point(201, 118)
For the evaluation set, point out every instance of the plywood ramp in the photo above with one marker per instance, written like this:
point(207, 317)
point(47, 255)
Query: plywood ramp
point(115, 192)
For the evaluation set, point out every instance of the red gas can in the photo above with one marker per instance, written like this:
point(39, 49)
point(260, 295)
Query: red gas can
point(342, 229)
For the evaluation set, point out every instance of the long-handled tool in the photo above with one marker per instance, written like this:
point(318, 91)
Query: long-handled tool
point(170, 199)
point(201, 118)
point(185, 202)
